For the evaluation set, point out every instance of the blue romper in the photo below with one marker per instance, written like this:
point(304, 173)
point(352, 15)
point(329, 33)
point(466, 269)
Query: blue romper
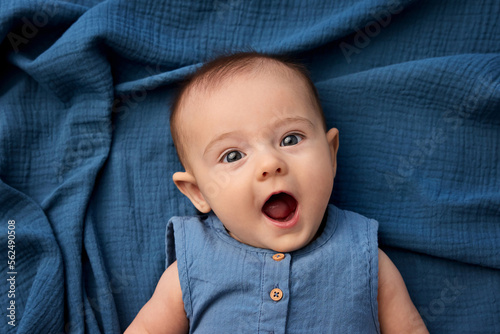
point(329, 286)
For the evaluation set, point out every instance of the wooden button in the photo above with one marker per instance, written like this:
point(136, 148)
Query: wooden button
point(276, 294)
point(278, 256)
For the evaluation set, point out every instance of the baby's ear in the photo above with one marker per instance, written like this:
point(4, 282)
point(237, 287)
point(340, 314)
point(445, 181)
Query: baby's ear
point(186, 183)
point(332, 137)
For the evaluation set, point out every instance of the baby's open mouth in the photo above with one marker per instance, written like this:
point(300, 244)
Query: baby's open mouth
point(280, 207)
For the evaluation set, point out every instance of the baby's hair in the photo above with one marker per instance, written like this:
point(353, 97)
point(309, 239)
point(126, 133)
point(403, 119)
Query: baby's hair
point(216, 71)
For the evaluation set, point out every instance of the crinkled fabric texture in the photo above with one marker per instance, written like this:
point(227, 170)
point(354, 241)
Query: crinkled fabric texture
point(86, 158)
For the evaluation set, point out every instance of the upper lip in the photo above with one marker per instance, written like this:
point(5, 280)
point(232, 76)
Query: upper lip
point(276, 193)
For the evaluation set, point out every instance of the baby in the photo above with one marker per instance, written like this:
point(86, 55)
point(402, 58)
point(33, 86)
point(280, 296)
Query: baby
point(270, 255)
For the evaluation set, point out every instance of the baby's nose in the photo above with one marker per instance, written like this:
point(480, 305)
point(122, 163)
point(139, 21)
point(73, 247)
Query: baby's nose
point(271, 165)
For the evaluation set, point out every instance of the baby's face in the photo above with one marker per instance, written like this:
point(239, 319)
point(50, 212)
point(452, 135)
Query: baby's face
point(259, 158)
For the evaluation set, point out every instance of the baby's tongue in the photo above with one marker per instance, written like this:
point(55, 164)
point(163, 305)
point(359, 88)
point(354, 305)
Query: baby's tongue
point(280, 206)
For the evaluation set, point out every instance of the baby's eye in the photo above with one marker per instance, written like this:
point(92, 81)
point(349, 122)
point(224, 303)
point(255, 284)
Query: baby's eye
point(232, 156)
point(291, 140)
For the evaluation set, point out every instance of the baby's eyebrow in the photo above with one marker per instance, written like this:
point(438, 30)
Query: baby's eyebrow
point(294, 119)
point(217, 139)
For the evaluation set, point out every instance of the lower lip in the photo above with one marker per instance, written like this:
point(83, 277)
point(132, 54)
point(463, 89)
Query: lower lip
point(289, 223)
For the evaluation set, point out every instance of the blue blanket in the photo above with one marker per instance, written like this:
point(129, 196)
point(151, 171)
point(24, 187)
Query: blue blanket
point(86, 157)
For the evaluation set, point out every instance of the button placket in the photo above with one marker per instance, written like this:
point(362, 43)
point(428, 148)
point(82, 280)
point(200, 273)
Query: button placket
point(275, 285)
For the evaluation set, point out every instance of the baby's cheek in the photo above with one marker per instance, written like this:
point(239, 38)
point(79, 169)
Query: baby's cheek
point(321, 183)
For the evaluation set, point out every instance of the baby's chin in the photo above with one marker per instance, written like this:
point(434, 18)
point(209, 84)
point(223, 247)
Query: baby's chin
point(288, 245)
point(277, 247)
point(289, 248)
point(294, 243)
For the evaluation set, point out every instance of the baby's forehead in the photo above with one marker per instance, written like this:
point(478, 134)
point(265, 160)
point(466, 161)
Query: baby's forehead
point(204, 87)
point(223, 80)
